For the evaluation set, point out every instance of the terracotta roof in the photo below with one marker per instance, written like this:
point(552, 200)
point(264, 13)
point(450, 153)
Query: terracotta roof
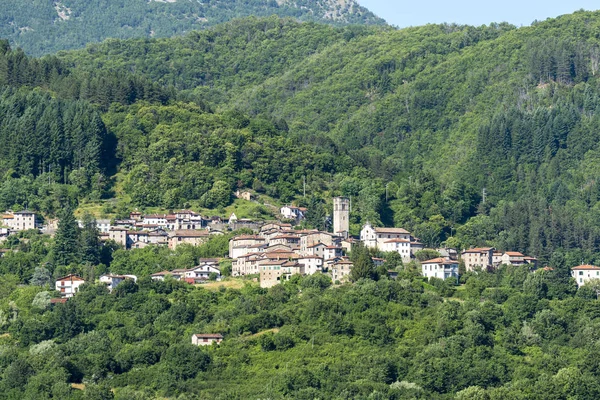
point(8, 216)
point(190, 233)
point(478, 250)
point(61, 300)
point(515, 254)
point(286, 237)
point(391, 230)
point(248, 237)
point(439, 260)
point(317, 245)
point(397, 241)
point(586, 267)
point(162, 273)
point(274, 262)
point(70, 277)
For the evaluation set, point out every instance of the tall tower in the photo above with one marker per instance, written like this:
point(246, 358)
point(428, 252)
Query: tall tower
point(341, 216)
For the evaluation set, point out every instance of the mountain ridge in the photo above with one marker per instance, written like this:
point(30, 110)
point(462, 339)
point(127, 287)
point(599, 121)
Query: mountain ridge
point(46, 27)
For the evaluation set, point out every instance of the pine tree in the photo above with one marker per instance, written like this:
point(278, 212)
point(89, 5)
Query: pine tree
point(364, 267)
point(315, 216)
point(90, 242)
point(66, 245)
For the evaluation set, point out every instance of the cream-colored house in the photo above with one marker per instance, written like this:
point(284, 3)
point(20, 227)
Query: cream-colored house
point(441, 268)
point(188, 236)
point(585, 273)
point(206, 339)
point(481, 257)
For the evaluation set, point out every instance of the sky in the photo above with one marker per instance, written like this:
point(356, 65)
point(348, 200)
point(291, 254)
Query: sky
point(405, 13)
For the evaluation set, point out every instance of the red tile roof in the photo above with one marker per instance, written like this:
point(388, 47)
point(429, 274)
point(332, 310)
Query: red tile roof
point(586, 267)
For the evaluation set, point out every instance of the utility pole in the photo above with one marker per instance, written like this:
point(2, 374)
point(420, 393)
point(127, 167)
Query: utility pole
point(484, 195)
point(386, 192)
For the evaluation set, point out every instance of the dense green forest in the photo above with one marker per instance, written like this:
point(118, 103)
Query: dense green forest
point(44, 27)
point(436, 114)
point(507, 334)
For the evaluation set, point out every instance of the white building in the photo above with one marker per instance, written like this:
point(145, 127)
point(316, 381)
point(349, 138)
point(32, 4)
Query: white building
point(291, 212)
point(111, 281)
point(312, 264)
point(441, 268)
point(158, 220)
point(20, 221)
point(206, 339)
point(103, 225)
point(585, 273)
point(68, 285)
point(390, 239)
point(201, 273)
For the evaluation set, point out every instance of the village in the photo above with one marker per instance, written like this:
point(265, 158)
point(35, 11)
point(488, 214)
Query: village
point(277, 250)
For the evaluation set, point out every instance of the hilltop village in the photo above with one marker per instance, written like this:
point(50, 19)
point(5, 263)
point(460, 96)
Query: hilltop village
point(275, 251)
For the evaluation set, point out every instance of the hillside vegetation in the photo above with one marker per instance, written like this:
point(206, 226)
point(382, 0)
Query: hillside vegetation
point(43, 27)
point(462, 135)
point(438, 113)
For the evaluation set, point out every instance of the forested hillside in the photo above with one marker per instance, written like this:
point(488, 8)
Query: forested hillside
point(437, 113)
point(43, 27)
point(465, 136)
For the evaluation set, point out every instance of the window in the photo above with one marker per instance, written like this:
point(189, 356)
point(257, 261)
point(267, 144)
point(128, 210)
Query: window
point(580, 273)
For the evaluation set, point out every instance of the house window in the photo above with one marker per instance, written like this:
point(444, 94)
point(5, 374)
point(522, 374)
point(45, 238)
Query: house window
point(205, 340)
point(580, 273)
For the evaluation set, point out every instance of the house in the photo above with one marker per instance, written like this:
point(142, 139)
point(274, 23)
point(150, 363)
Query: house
point(59, 300)
point(7, 220)
point(239, 245)
point(332, 252)
point(274, 272)
point(585, 273)
point(118, 235)
point(188, 236)
point(245, 195)
point(442, 268)
point(111, 281)
point(4, 233)
point(20, 221)
point(158, 237)
point(232, 219)
point(68, 285)
point(290, 240)
point(103, 225)
point(376, 237)
point(160, 276)
point(391, 239)
point(291, 212)
point(311, 238)
point(340, 270)
point(201, 273)
point(481, 257)
point(135, 215)
point(159, 220)
point(206, 339)
point(348, 243)
point(312, 264)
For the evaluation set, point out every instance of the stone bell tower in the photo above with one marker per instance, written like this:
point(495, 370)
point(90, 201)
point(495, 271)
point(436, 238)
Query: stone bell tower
point(341, 216)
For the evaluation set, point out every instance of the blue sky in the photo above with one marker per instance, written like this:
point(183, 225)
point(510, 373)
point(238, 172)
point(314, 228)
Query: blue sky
point(471, 12)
